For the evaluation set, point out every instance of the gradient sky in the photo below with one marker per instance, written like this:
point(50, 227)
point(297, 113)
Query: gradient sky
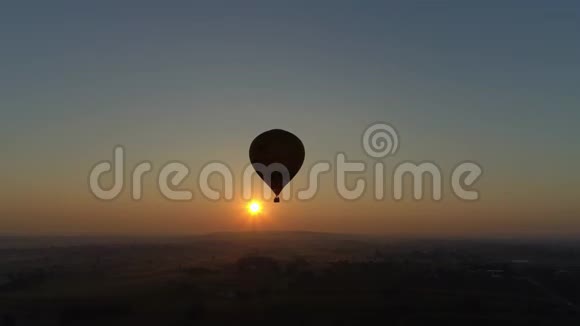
point(493, 82)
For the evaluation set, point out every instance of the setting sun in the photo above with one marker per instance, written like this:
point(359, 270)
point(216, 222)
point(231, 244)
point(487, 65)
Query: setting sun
point(254, 207)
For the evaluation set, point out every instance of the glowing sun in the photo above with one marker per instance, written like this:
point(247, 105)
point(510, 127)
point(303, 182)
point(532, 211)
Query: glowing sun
point(254, 207)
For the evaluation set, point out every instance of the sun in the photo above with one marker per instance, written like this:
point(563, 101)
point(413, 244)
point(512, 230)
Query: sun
point(254, 207)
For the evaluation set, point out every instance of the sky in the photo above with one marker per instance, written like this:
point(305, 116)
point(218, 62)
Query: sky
point(494, 82)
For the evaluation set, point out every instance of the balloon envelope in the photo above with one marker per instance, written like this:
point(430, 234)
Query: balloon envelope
point(274, 149)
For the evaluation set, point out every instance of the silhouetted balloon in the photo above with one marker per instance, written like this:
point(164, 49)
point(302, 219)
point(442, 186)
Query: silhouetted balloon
point(271, 152)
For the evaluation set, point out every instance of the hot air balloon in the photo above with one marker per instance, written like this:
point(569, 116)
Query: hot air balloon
point(277, 155)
